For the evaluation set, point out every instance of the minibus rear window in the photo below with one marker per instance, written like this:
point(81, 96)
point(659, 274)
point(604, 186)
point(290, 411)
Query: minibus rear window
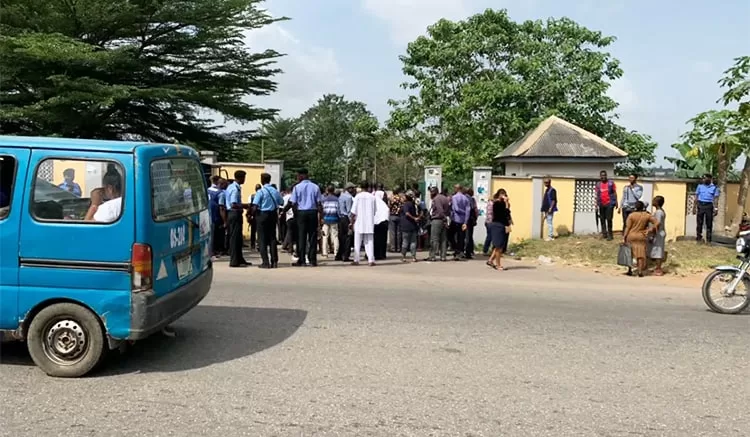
point(177, 187)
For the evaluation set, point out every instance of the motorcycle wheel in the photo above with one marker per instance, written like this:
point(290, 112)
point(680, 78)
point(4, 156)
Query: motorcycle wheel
point(723, 279)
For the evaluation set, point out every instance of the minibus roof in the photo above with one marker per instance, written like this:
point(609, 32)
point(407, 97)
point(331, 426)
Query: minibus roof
point(74, 144)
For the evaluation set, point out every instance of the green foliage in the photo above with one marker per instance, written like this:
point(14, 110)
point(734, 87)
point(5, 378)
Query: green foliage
point(719, 137)
point(148, 69)
point(483, 82)
point(282, 139)
point(340, 137)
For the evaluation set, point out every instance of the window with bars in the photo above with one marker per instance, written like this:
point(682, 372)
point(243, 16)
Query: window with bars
point(585, 195)
point(178, 188)
point(690, 198)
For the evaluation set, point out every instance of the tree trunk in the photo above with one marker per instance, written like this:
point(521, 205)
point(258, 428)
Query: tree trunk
point(734, 228)
point(720, 221)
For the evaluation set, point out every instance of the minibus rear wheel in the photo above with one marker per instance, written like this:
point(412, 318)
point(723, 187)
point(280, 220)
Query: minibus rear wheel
point(66, 340)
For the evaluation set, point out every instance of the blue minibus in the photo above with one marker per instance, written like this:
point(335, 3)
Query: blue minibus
point(101, 243)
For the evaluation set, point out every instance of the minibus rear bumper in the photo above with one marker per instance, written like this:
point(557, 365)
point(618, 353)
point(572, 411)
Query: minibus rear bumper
point(149, 314)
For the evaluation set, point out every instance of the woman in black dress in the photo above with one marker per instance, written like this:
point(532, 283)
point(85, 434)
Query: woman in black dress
point(499, 229)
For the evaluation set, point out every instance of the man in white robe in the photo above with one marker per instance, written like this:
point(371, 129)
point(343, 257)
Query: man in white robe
point(363, 223)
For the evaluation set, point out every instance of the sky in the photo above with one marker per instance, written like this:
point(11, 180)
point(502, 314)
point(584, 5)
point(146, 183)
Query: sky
point(672, 52)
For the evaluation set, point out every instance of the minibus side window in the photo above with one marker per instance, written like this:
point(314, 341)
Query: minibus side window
point(7, 183)
point(77, 190)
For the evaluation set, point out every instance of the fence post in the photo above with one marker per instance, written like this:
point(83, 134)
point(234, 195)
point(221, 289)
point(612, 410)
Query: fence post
point(433, 177)
point(275, 168)
point(482, 184)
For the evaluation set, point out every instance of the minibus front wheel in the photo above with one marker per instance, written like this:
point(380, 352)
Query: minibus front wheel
point(66, 340)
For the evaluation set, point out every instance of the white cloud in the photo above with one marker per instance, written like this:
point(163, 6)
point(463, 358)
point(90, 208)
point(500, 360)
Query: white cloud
point(408, 19)
point(309, 71)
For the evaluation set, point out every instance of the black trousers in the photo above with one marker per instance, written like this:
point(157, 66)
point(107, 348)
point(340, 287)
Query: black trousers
point(235, 238)
point(605, 219)
point(469, 242)
point(345, 240)
point(253, 231)
point(705, 216)
point(457, 237)
point(218, 239)
point(282, 228)
point(307, 236)
point(381, 241)
point(266, 223)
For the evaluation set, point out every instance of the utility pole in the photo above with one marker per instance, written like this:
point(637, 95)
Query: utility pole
point(262, 150)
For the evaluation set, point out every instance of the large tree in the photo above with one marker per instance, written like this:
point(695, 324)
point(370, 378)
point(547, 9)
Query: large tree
point(723, 136)
point(483, 82)
point(145, 69)
point(341, 139)
point(283, 139)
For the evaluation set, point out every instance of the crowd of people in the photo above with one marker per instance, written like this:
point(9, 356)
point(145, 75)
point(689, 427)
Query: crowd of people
point(308, 220)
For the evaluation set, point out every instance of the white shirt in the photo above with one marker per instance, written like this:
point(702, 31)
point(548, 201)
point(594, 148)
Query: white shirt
point(363, 207)
point(382, 212)
point(109, 211)
point(289, 213)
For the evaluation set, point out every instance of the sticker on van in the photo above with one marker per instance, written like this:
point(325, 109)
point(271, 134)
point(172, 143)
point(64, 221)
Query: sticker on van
point(177, 236)
point(205, 222)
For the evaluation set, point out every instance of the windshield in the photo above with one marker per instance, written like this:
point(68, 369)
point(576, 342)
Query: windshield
point(178, 188)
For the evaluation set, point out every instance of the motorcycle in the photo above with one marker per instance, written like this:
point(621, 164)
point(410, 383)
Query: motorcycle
point(728, 278)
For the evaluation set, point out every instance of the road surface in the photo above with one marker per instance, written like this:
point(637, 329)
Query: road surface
point(432, 349)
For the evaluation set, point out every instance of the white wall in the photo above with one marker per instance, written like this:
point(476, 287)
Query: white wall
point(582, 169)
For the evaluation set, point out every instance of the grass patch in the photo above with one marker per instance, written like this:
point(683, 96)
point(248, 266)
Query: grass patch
point(684, 257)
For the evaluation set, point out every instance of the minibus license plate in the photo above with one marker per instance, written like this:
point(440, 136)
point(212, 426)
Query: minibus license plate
point(184, 266)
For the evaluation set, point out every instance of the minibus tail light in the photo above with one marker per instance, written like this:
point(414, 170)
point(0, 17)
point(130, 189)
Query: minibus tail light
point(142, 262)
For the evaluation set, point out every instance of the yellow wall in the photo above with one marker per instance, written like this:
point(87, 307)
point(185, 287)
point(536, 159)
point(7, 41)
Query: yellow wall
point(248, 188)
point(617, 223)
point(566, 189)
point(674, 194)
point(733, 191)
point(59, 166)
point(521, 193)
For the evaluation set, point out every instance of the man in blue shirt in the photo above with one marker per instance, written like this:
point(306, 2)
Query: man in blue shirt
point(346, 199)
point(68, 184)
point(706, 207)
point(217, 203)
point(266, 211)
point(460, 212)
point(306, 199)
point(235, 207)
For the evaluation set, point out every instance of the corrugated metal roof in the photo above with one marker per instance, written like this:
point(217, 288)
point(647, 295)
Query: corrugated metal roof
point(555, 137)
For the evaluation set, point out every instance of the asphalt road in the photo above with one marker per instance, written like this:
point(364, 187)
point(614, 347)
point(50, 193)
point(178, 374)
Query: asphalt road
point(410, 350)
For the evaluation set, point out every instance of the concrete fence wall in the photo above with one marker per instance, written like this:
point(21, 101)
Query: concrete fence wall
point(576, 200)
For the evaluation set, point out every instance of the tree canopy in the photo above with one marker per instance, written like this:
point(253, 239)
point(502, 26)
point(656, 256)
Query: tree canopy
point(146, 69)
point(483, 82)
point(340, 137)
point(717, 138)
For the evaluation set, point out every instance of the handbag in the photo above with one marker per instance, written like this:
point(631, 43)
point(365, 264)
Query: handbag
point(625, 256)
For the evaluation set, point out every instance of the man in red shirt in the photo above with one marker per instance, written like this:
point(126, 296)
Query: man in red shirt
point(606, 201)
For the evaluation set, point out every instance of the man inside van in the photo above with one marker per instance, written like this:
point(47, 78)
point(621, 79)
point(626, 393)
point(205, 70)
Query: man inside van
point(234, 207)
point(106, 202)
point(68, 184)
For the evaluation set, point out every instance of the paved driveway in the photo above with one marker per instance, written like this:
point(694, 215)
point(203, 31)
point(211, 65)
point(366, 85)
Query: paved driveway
point(444, 349)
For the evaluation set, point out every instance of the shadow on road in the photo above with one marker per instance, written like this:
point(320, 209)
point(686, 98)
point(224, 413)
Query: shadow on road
point(206, 335)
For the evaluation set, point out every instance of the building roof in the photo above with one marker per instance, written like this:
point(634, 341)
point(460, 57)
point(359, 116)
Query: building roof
point(557, 138)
